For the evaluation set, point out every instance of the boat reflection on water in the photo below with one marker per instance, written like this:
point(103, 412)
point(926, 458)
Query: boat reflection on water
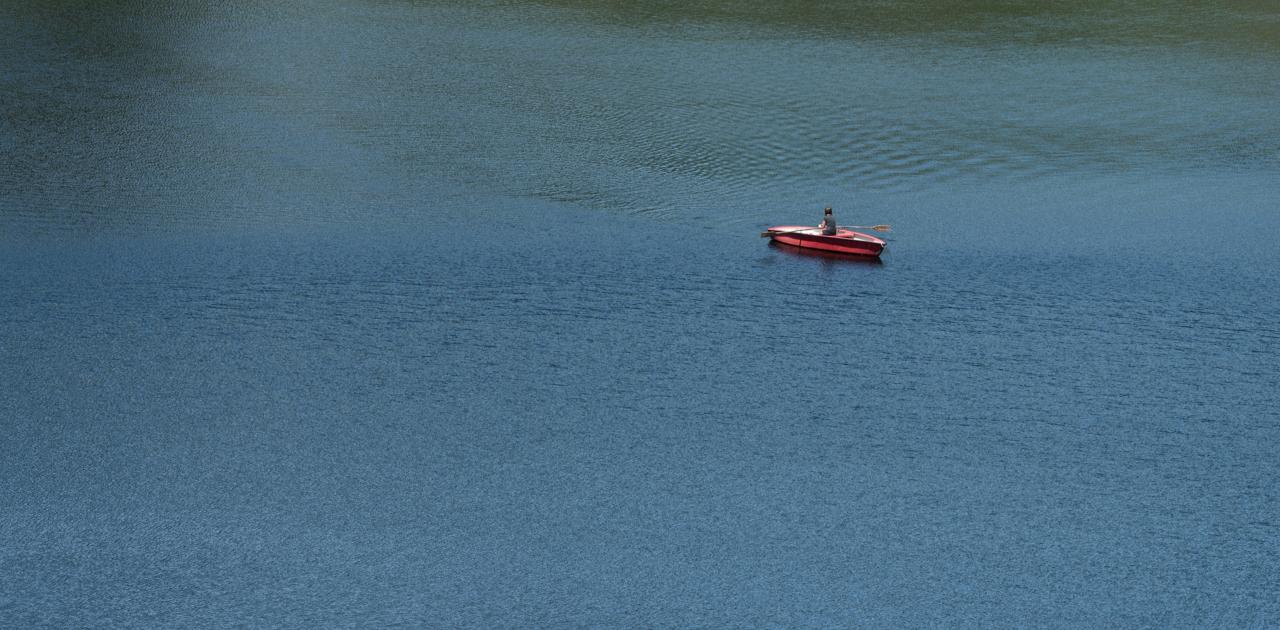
point(833, 257)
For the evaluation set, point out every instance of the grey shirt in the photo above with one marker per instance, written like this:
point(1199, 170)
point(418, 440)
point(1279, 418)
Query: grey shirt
point(829, 224)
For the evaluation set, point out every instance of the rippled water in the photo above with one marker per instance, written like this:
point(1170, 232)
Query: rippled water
point(444, 314)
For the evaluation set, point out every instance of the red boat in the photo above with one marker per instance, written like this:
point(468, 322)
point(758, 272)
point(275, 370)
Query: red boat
point(843, 241)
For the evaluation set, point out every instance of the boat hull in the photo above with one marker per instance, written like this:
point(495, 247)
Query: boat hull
point(842, 242)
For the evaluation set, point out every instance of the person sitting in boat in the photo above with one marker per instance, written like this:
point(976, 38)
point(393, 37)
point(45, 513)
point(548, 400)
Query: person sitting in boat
point(828, 224)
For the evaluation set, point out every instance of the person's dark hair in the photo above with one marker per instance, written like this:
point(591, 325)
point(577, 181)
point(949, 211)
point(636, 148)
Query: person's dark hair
point(826, 210)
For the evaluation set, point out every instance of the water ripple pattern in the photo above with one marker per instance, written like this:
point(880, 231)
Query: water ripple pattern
point(445, 314)
point(673, 113)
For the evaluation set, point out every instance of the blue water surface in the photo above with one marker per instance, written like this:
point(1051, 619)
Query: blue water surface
point(445, 315)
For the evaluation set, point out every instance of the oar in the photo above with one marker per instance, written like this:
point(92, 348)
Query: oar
point(874, 228)
point(772, 232)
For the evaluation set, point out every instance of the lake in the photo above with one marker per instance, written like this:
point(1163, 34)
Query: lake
point(444, 314)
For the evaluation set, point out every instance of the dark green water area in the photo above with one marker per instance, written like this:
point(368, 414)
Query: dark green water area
point(445, 314)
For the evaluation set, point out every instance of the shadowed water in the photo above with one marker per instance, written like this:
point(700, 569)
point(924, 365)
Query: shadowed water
point(443, 314)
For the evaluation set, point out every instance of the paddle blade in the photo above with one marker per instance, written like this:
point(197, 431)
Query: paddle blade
point(766, 234)
point(880, 228)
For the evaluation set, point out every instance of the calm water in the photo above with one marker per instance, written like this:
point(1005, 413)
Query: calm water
point(441, 314)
